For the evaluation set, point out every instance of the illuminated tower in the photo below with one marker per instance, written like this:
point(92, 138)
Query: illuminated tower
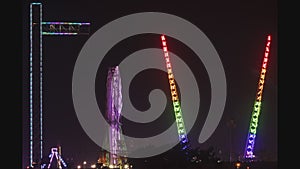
point(36, 84)
point(38, 29)
point(114, 107)
point(176, 103)
point(249, 149)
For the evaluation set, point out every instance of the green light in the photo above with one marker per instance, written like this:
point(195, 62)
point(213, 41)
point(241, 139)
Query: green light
point(254, 118)
point(176, 104)
point(257, 105)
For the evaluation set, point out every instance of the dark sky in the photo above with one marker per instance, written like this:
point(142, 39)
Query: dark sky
point(238, 31)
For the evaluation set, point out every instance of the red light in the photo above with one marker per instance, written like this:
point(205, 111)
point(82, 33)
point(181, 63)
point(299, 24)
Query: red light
point(264, 65)
point(163, 37)
point(266, 54)
point(269, 37)
point(267, 49)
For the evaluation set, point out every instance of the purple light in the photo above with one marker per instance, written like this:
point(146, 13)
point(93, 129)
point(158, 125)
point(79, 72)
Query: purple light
point(114, 107)
point(60, 33)
point(66, 23)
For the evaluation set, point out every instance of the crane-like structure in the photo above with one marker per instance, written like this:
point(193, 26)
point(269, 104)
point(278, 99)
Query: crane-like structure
point(37, 30)
point(249, 149)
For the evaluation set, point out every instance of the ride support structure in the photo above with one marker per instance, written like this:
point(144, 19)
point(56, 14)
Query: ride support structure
point(182, 135)
point(37, 30)
point(249, 149)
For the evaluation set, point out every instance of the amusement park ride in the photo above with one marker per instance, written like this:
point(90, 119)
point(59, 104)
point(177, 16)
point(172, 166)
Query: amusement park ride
point(182, 135)
point(56, 152)
point(111, 159)
point(249, 149)
point(39, 29)
point(117, 145)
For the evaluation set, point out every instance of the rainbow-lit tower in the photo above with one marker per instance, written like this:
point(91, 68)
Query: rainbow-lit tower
point(38, 29)
point(175, 99)
point(249, 149)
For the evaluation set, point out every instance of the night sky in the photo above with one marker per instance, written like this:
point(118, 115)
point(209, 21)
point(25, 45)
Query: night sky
point(238, 32)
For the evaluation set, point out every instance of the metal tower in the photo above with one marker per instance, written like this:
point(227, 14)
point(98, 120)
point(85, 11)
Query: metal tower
point(249, 149)
point(38, 29)
point(114, 108)
point(176, 103)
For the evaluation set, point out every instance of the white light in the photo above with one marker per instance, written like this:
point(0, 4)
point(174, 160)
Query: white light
point(84, 162)
point(78, 166)
point(93, 166)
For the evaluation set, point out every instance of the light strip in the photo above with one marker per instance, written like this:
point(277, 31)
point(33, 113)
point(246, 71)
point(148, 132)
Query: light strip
point(66, 23)
point(41, 82)
point(30, 91)
point(249, 149)
point(176, 104)
point(59, 33)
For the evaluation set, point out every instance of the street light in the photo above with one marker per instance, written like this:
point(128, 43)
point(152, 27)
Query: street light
point(84, 163)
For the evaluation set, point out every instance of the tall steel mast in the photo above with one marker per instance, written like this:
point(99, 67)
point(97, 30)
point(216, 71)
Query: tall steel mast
point(175, 99)
point(249, 149)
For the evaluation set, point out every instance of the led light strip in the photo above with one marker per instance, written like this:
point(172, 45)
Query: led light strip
point(66, 23)
point(30, 91)
point(59, 33)
point(257, 105)
point(176, 104)
point(41, 82)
